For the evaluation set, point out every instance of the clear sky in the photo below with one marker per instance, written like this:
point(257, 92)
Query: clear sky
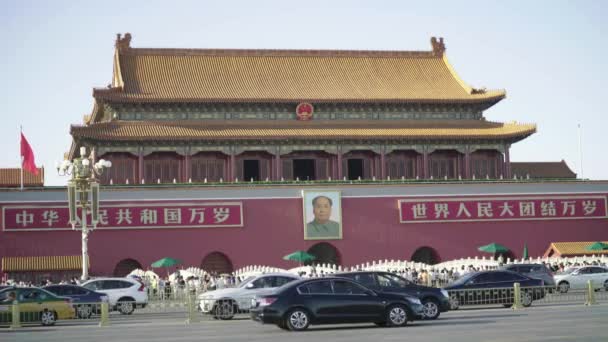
point(550, 56)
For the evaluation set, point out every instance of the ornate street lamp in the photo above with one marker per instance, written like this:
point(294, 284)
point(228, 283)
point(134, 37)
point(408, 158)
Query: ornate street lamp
point(83, 194)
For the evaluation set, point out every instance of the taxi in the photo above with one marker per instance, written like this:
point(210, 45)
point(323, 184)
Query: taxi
point(35, 305)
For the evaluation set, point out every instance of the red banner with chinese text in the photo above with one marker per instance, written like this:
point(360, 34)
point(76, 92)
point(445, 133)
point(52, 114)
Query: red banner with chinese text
point(127, 216)
point(502, 209)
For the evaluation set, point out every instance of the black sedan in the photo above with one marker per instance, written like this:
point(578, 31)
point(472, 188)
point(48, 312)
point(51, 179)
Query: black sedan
point(434, 300)
point(85, 301)
point(493, 287)
point(299, 304)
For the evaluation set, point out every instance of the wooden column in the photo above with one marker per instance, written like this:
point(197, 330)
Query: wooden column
point(277, 165)
point(383, 163)
point(188, 168)
point(425, 166)
point(140, 165)
point(507, 166)
point(339, 163)
point(232, 166)
point(467, 165)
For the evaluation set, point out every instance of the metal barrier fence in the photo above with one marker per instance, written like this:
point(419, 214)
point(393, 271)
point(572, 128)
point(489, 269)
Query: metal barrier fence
point(15, 315)
point(526, 296)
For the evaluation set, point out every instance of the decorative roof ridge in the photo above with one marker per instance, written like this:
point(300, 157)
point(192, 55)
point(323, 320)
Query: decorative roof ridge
point(123, 46)
point(279, 53)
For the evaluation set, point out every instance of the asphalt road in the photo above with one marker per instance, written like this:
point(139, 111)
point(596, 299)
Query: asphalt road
point(544, 323)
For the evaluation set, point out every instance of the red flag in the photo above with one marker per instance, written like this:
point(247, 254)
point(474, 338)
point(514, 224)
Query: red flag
point(28, 162)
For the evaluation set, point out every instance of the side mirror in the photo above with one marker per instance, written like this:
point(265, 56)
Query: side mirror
point(249, 286)
point(370, 293)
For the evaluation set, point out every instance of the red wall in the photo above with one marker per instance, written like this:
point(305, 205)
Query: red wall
point(274, 227)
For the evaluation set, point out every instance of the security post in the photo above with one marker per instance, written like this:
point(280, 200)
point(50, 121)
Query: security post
point(192, 314)
point(105, 314)
point(16, 313)
point(590, 293)
point(516, 297)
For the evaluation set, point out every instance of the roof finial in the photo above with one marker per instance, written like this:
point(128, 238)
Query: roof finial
point(438, 46)
point(123, 43)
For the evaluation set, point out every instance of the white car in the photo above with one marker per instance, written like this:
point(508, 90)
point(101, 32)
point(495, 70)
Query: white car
point(224, 303)
point(124, 294)
point(577, 278)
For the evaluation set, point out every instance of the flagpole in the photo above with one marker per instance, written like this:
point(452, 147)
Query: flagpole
point(21, 155)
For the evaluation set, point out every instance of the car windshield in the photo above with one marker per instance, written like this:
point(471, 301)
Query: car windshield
point(392, 280)
point(569, 270)
point(463, 279)
point(245, 282)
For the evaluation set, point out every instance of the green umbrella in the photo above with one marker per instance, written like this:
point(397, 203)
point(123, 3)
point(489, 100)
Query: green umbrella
point(299, 256)
point(525, 254)
point(166, 262)
point(493, 248)
point(597, 246)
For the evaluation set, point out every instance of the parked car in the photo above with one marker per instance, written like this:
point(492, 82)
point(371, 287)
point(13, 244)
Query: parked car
point(434, 300)
point(224, 303)
point(494, 287)
point(538, 271)
point(577, 278)
point(124, 294)
point(86, 302)
point(333, 300)
point(35, 305)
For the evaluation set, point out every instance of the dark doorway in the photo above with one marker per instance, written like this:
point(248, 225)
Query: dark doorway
point(125, 266)
point(426, 255)
point(325, 253)
point(304, 169)
point(355, 168)
point(251, 170)
point(217, 262)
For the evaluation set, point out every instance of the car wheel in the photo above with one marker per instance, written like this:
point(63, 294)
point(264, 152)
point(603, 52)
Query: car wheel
point(84, 311)
point(606, 285)
point(454, 302)
point(526, 299)
point(564, 286)
point(48, 318)
point(126, 307)
point(431, 308)
point(224, 310)
point(396, 316)
point(297, 320)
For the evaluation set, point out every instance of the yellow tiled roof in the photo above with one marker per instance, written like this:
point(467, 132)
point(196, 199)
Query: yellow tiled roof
point(575, 248)
point(41, 263)
point(11, 177)
point(224, 130)
point(206, 75)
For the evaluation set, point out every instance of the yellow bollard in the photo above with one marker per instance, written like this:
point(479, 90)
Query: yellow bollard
point(105, 315)
point(516, 297)
point(192, 314)
point(590, 294)
point(16, 312)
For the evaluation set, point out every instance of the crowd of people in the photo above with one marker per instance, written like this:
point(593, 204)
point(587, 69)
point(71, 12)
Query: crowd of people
point(171, 287)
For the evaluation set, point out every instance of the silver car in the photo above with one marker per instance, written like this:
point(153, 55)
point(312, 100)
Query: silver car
point(225, 303)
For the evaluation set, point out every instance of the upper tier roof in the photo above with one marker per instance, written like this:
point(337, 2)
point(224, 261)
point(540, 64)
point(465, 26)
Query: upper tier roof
point(206, 75)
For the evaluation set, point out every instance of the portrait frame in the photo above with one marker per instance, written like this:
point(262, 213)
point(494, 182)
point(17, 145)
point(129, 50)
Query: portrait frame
point(313, 230)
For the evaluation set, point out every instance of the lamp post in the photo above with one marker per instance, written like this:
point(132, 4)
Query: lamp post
point(83, 197)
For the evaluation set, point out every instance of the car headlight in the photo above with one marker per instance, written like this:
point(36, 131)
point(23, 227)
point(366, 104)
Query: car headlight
point(445, 293)
point(414, 300)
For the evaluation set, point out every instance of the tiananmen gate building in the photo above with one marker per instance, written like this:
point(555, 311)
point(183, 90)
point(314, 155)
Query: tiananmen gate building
point(218, 157)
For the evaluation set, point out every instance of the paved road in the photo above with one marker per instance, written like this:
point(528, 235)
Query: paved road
point(546, 323)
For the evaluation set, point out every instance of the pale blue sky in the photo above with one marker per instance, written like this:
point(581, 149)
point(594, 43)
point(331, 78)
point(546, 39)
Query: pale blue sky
point(548, 55)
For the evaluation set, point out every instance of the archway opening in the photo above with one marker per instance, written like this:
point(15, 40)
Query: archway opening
point(125, 266)
point(426, 255)
point(325, 253)
point(217, 262)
